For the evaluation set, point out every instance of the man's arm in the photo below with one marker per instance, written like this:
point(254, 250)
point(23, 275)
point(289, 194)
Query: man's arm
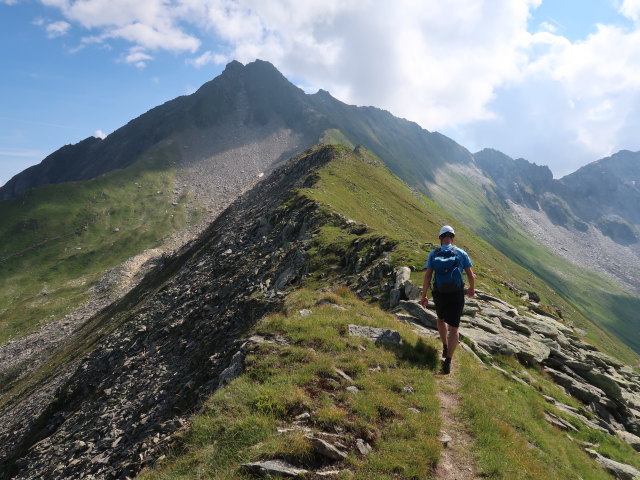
point(471, 291)
point(425, 286)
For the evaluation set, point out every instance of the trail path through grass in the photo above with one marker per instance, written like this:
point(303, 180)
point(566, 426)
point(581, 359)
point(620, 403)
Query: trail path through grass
point(456, 461)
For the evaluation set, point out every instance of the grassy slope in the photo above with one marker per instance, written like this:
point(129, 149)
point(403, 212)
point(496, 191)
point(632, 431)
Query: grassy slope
point(58, 240)
point(240, 421)
point(597, 298)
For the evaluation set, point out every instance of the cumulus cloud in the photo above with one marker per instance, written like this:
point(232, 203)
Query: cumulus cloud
point(57, 29)
point(138, 57)
point(208, 58)
point(100, 134)
point(149, 24)
point(631, 9)
point(471, 69)
point(575, 102)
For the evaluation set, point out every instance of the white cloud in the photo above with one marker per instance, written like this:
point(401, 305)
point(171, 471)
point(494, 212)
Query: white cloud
point(138, 57)
point(100, 134)
point(151, 24)
point(631, 9)
point(208, 58)
point(57, 29)
point(548, 27)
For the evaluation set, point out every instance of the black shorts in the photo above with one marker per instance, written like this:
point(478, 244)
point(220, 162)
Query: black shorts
point(449, 306)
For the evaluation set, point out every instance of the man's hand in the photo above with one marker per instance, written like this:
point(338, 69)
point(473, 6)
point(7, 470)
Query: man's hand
point(471, 292)
point(424, 302)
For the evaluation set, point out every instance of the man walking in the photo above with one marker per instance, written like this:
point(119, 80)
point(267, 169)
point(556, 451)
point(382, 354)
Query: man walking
point(447, 263)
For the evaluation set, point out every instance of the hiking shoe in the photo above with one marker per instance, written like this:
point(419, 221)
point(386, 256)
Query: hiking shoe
point(446, 366)
point(444, 351)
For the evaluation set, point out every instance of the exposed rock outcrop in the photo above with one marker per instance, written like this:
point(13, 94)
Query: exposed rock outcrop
point(610, 392)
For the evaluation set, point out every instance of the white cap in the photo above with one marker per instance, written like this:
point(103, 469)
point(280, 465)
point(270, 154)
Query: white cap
point(446, 229)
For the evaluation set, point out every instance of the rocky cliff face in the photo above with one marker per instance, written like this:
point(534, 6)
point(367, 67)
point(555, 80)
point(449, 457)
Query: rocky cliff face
point(585, 216)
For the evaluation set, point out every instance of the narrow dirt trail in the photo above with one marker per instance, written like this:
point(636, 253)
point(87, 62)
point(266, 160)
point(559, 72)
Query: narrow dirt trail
point(456, 460)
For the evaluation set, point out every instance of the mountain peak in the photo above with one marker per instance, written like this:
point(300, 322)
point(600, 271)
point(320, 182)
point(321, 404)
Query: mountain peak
point(233, 66)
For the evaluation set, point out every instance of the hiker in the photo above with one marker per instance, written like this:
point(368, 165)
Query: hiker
point(448, 262)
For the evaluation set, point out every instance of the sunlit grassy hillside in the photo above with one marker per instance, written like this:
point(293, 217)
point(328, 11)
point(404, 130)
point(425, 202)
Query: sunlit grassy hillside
point(58, 240)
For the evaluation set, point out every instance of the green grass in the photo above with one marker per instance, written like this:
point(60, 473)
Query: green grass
point(239, 422)
point(58, 240)
point(512, 439)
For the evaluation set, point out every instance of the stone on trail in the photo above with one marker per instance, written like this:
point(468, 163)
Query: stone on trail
point(444, 438)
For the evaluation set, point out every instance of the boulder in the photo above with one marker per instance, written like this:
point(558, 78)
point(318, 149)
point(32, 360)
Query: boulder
point(394, 297)
point(531, 352)
point(630, 438)
point(376, 335)
point(601, 359)
point(489, 342)
point(603, 382)
point(411, 291)
point(546, 328)
point(619, 470)
point(582, 391)
point(233, 370)
point(324, 448)
point(491, 326)
point(558, 422)
point(402, 275)
point(363, 447)
point(424, 316)
point(513, 324)
point(588, 423)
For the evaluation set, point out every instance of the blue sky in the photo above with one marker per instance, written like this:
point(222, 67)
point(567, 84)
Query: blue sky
point(554, 81)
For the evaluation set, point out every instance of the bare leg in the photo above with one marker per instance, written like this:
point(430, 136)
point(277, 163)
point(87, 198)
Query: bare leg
point(452, 340)
point(442, 329)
